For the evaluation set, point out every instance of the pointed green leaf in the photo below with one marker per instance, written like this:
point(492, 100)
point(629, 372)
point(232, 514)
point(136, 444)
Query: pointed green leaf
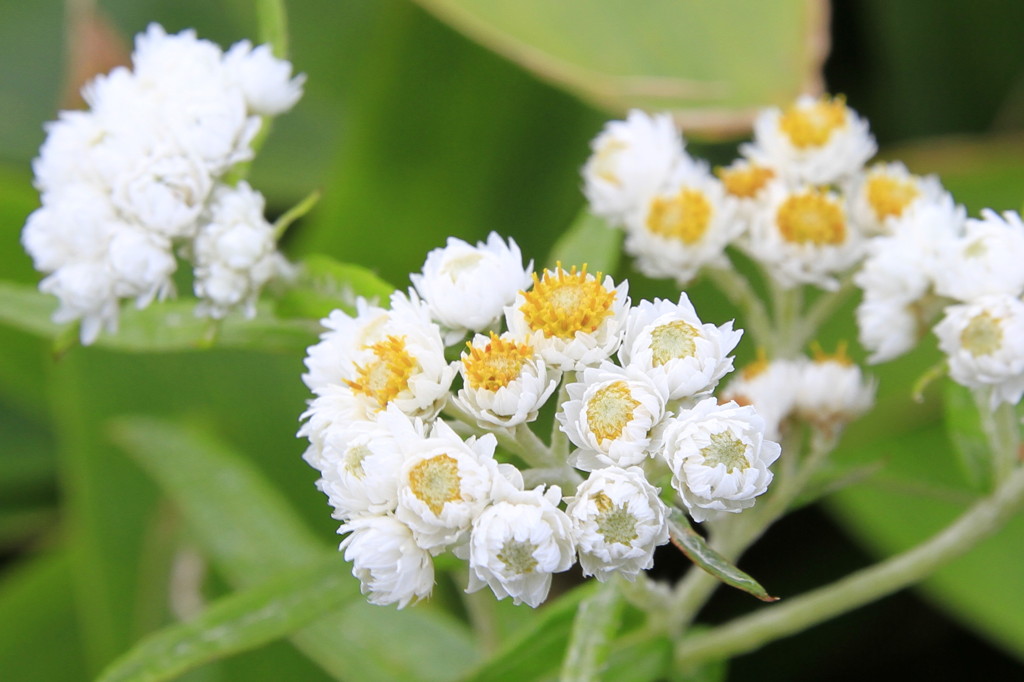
point(323, 284)
point(660, 54)
point(696, 550)
point(588, 240)
point(240, 621)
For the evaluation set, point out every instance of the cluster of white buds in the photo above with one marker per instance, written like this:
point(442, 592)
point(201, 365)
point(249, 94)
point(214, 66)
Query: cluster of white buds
point(141, 173)
point(420, 456)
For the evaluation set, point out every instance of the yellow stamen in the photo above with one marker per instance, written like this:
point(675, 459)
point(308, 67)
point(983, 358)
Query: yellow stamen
point(684, 217)
point(811, 218)
point(436, 482)
point(610, 410)
point(813, 125)
point(496, 365)
point(745, 181)
point(388, 375)
point(889, 196)
point(983, 335)
point(839, 356)
point(673, 341)
point(562, 303)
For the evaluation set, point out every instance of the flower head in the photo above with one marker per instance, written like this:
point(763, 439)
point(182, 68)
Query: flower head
point(390, 566)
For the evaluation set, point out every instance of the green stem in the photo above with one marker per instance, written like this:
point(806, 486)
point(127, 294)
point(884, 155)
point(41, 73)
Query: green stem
point(738, 290)
point(750, 632)
point(819, 312)
point(1001, 429)
point(297, 211)
point(273, 26)
point(786, 305)
point(520, 441)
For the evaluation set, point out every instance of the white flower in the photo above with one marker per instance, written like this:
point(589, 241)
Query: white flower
point(618, 520)
point(67, 155)
point(76, 227)
point(235, 252)
point(467, 287)
point(887, 327)
point(985, 260)
point(883, 193)
point(265, 81)
point(572, 318)
point(632, 160)
point(984, 342)
point(344, 336)
point(86, 293)
point(832, 391)
point(770, 387)
point(390, 565)
point(719, 457)
point(444, 484)
point(668, 340)
point(504, 382)
point(518, 542)
point(610, 415)
point(683, 228)
point(817, 141)
point(142, 264)
point(803, 237)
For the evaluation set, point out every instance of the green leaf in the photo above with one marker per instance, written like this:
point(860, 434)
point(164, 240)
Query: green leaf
point(160, 328)
point(323, 285)
point(536, 652)
point(591, 241)
point(643, 660)
point(240, 621)
point(963, 423)
point(697, 550)
point(659, 55)
point(597, 620)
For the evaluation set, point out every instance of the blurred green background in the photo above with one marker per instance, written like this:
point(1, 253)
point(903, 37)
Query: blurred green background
point(415, 132)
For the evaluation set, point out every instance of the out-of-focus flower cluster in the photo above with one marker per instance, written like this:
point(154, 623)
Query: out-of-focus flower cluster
point(801, 202)
point(420, 456)
point(141, 174)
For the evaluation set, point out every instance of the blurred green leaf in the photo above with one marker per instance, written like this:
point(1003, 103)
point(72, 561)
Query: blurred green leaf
point(591, 241)
point(323, 285)
point(692, 544)
point(659, 55)
point(963, 424)
point(243, 620)
point(597, 620)
point(645, 660)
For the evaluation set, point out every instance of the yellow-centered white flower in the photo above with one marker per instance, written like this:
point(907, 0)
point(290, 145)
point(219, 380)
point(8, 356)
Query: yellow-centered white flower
point(885, 192)
point(984, 342)
point(610, 415)
point(986, 260)
point(815, 140)
point(832, 391)
point(668, 340)
point(618, 520)
point(518, 542)
point(572, 318)
point(719, 457)
point(504, 381)
point(770, 387)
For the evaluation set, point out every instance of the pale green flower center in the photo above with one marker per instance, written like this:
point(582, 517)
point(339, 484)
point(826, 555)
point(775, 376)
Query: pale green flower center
point(983, 335)
point(673, 341)
point(518, 556)
point(609, 410)
point(615, 524)
point(725, 449)
point(352, 460)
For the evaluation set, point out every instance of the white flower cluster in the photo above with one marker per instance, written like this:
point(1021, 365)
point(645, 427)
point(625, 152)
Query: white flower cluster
point(141, 173)
point(388, 422)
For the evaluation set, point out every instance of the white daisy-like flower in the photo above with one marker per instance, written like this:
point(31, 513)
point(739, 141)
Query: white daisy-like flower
point(668, 340)
point(572, 318)
point(632, 160)
point(832, 391)
point(518, 542)
point(887, 327)
point(746, 183)
point(984, 341)
point(344, 335)
point(445, 483)
point(385, 558)
point(266, 82)
point(618, 520)
point(610, 415)
point(235, 253)
point(467, 287)
point(884, 192)
point(815, 140)
point(504, 381)
point(770, 387)
point(86, 293)
point(142, 265)
point(986, 260)
point(682, 229)
point(719, 457)
point(803, 236)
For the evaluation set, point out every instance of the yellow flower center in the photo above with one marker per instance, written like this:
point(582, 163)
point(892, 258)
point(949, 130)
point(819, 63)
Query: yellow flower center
point(436, 481)
point(813, 125)
point(563, 303)
point(983, 335)
point(684, 217)
point(673, 341)
point(383, 378)
point(615, 524)
point(840, 356)
point(725, 449)
point(889, 196)
point(495, 365)
point(758, 366)
point(745, 181)
point(811, 218)
point(610, 410)
point(518, 556)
